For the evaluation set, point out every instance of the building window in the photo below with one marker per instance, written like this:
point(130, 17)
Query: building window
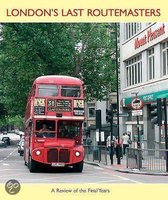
point(151, 64)
point(134, 70)
point(91, 112)
point(131, 29)
point(165, 58)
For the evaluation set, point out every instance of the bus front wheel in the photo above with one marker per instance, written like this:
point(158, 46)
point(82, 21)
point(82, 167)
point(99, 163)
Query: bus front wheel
point(78, 167)
point(31, 165)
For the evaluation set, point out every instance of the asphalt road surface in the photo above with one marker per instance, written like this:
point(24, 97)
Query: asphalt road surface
point(12, 167)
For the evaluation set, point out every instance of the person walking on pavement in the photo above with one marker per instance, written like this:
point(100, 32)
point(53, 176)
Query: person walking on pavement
point(108, 144)
point(125, 139)
point(121, 146)
point(89, 143)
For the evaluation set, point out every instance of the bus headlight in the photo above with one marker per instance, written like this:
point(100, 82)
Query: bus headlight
point(38, 152)
point(77, 153)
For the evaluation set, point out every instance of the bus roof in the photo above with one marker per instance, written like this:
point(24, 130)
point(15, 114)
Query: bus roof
point(58, 79)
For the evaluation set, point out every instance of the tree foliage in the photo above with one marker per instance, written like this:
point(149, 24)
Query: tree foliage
point(29, 50)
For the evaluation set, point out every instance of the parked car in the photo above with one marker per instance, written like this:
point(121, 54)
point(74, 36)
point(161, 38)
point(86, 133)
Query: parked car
point(21, 147)
point(2, 144)
point(6, 140)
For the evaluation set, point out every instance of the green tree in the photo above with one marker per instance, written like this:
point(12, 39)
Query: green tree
point(30, 50)
point(95, 43)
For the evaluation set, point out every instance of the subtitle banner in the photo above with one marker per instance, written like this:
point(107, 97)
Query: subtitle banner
point(83, 11)
point(84, 191)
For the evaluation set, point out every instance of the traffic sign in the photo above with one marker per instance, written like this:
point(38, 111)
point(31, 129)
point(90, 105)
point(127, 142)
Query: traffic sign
point(136, 112)
point(122, 115)
point(136, 103)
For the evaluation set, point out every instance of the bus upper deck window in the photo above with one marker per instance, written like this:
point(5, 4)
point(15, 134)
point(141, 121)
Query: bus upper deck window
point(70, 91)
point(47, 90)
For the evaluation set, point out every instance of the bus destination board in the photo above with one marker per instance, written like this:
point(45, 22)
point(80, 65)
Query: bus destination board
point(59, 105)
point(39, 110)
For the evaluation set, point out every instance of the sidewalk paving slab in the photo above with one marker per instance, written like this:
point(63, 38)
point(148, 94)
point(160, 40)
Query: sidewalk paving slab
point(122, 168)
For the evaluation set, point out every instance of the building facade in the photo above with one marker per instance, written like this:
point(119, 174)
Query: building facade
point(143, 72)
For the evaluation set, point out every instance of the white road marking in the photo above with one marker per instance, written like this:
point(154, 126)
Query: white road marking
point(99, 168)
point(10, 169)
point(6, 149)
point(120, 177)
point(8, 155)
point(2, 150)
point(5, 164)
point(126, 179)
point(105, 172)
point(109, 181)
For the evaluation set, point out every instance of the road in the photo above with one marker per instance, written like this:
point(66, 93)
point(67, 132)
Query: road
point(12, 167)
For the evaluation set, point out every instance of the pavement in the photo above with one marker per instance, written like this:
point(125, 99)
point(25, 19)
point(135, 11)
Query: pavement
point(122, 167)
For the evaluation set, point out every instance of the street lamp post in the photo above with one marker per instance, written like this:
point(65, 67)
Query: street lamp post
point(118, 147)
point(137, 107)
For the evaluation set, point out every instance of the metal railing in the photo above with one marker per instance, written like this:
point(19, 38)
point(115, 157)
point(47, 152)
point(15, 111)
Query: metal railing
point(147, 160)
point(96, 153)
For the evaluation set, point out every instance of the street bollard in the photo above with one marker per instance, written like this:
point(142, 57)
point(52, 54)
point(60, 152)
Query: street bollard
point(139, 159)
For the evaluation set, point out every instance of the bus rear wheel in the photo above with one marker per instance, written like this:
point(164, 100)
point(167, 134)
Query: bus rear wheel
point(78, 167)
point(32, 165)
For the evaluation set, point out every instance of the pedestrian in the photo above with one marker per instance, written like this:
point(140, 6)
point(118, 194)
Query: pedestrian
point(125, 141)
point(129, 135)
point(89, 143)
point(121, 146)
point(88, 140)
point(109, 143)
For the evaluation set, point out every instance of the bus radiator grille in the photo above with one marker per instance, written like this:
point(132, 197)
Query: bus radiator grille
point(53, 155)
point(64, 155)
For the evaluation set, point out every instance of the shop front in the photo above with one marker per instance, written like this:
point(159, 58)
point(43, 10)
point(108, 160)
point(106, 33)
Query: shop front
point(151, 135)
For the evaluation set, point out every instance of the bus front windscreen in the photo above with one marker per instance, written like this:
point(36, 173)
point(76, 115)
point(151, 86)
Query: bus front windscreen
point(68, 129)
point(45, 128)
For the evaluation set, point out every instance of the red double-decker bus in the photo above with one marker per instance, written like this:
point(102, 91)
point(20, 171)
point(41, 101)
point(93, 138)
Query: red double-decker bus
point(53, 123)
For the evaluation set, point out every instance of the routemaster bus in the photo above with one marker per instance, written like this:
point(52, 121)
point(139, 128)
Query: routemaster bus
point(53, 123)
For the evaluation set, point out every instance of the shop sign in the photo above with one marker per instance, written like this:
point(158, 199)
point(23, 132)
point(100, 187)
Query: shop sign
point(146, 98)
point(149, 36)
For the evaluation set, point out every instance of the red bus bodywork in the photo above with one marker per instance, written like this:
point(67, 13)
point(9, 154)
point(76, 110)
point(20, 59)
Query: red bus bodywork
point(59, 102)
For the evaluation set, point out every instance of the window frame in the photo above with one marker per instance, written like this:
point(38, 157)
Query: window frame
point(164, 54)
point(134, 70)
point(151, 63)
point(94, 115)
point(48, 85)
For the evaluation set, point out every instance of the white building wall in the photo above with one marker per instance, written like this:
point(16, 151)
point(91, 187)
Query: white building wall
point(159, 83)
point(127, 51)
point(122, 73)
point(144, 68)
point(128, 46)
